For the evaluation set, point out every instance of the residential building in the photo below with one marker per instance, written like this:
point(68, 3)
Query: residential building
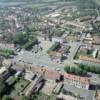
point(89, 59)
point(35, 85)
point(7, 46)
point(85, 18)
point(29, 75)
point(98, 96)
point(57, 56)
point(77, 81)
point(4, 73)
point(7, 63)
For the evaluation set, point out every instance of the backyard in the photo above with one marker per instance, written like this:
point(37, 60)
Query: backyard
point(21, 85)
point(82, 51)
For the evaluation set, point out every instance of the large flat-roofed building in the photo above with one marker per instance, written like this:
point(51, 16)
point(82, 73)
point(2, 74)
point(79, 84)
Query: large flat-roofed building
point(77, 81)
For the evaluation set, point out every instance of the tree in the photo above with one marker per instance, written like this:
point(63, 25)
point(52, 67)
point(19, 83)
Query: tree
point(9, 38)
point(2, 88)
point(92, 69)
point(72, 69)
point(87, 68)
point(84, 72)
point(78, 71)
point(67, 69)
point(97, 70)
point(20, 38)
point(81, 66)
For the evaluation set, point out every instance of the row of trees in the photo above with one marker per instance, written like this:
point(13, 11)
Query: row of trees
point(90, 68)
point(6, 53)
point(29, 44)
point(76, 71)
point(2, 88)
point(3, 91)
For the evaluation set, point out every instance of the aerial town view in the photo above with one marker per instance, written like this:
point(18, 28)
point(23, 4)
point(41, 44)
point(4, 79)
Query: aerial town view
point(49, 49)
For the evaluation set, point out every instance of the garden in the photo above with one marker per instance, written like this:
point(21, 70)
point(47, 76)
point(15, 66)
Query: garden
point(21, 85)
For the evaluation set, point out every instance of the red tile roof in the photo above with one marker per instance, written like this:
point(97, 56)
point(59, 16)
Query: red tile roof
point(52, 75)
point(85, 58)
point(83, 80)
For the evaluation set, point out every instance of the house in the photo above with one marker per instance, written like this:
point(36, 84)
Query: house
point(7, 63)
point(72, 37)
point(85, 18)
point(57, 89)
point(7, 46)
point(35, 85)
point(98, 95)
point(52, 75)
point(19, 73)
point(96, 40)
point(89, 59)
point(77, 81)
point(56, 56)
point(79, 93)
point(59, 54)
point(4, 73)
point(1, 60)
point(57, 40)
point(48, 74)
point(29, 75)
point(62, 96)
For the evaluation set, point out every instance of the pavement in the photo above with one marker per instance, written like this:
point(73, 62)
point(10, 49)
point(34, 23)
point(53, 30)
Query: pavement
point(84, 94)
point(41, 58)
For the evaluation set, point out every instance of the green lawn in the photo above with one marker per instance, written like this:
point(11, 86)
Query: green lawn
point(20, 85)
point(42, 96)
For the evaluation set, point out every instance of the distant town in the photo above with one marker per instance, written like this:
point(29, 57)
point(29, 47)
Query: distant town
point(50, 50)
